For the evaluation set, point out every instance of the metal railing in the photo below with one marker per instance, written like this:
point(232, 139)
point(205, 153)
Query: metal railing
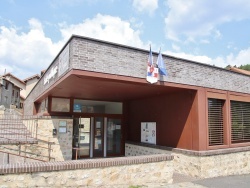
point(19, 139)
point(23, 153)
point(16, 129)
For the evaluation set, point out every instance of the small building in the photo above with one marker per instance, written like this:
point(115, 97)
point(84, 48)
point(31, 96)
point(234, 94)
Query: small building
point(102, 87)
point(10, 88)
point(30, 82)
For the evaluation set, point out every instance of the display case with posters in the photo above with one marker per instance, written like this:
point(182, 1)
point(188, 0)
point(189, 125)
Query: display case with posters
point(148, 132)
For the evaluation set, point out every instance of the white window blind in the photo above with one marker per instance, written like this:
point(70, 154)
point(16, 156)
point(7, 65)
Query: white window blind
point(240, 122)
point(215, 122)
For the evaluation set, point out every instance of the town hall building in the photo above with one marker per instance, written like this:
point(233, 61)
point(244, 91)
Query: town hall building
point(102, 87)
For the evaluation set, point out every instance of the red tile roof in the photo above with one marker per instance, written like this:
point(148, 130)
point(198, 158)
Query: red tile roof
point(11, 75)
point(234, 69)
point(31, 77)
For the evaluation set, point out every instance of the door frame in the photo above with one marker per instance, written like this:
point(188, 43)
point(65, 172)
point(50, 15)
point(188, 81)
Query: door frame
point(104, 137)
point(76, 138)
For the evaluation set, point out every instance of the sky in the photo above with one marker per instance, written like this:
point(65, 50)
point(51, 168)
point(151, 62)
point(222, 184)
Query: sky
point(32, 32)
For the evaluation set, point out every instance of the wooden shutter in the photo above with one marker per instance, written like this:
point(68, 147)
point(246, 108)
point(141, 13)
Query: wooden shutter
point(240, 122)
point(215, 122)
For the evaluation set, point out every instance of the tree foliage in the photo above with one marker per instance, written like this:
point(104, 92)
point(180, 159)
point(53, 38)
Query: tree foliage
point(243, 67)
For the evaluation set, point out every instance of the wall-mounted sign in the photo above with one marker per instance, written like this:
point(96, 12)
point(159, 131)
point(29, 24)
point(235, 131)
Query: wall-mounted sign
point(63, 61)
point(84, 138)
point(148, 132)
point(50, 75)
point(62, 126)
point(77, 108)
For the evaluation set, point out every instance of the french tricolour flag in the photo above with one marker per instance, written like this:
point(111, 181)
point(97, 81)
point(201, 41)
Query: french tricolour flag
point(152, 71)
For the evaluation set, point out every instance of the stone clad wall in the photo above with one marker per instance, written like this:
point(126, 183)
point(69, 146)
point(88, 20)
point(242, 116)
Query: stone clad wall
point(206, 164)
point(61, 144)
point(214, 165)
point(136, 150)
point(115, 172)
point(62, 147)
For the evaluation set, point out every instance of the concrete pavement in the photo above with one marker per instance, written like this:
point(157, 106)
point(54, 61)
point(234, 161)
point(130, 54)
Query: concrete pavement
point(237, 181)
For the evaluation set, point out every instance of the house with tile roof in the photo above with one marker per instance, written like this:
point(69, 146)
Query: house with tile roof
point(10, 88)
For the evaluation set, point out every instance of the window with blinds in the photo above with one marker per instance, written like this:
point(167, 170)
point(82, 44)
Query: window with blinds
point(215, 122)
point(240, 122)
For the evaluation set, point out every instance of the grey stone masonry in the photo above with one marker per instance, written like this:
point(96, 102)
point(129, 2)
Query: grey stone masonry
point(120, 172)
point(99, 56)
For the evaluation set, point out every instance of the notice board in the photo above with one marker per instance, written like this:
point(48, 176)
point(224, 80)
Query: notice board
point(148, 132)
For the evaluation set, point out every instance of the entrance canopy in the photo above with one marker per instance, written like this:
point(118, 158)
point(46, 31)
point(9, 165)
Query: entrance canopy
point(99, 86)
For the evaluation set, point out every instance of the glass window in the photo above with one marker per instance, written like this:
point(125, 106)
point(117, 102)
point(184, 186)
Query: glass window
point(215, 122)
point(113, 136)
point(240, 122)
point(84, 136)
point(60, 105)
point(6, 85)
point(98, 137)
point(46, 104)
point(104, 107)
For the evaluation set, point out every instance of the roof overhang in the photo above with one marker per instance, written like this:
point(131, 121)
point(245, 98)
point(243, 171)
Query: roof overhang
point(99, 86)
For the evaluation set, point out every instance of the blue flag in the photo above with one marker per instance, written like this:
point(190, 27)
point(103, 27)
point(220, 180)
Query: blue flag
point(161, 65)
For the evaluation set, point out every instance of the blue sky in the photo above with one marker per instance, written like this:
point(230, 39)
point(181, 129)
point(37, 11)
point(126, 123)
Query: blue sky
point(208, 31)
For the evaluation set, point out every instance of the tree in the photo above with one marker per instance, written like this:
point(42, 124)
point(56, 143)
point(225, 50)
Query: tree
point(245, 67)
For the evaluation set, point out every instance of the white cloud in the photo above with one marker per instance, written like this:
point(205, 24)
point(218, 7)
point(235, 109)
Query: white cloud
point(203, 41)
point(175, 47)
point(201, 59)
point(242, 58)
point(25, 53)
point(106, 28)
point(145, 5)
point(191, 19)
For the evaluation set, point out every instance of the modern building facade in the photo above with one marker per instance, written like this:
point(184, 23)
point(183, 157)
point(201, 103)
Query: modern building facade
point(102, 86)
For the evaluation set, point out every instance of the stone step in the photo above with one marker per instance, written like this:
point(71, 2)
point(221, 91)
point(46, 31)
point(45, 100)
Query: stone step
point(19, 141)
point(13, 131)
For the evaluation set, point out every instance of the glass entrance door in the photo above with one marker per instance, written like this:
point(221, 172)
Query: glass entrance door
point(98, 137)
point(81, 137)
point(114, 137)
